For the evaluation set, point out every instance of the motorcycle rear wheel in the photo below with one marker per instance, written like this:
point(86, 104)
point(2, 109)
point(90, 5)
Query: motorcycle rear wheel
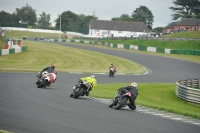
point(121, 103)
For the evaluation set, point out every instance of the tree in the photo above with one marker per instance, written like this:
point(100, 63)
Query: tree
point(84, 25)
point(143, 14)
point(185, 9)
point(68, 19)
point(74, 22)
point(5, 19)
point(115, 19)
point(123, 17)
point(26, 14)
point(158, 29)
point(43, 21)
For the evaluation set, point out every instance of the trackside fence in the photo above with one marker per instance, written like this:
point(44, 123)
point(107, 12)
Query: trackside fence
point(189, 90)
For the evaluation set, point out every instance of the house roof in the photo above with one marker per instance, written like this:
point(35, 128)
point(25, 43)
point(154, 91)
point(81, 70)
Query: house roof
point(118, 25)
point(170, 26)
point(189, 22)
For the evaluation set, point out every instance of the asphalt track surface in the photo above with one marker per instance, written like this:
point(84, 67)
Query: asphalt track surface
point(24, 108)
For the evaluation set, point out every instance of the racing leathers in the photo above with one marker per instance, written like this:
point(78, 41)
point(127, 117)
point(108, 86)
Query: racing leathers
point(89, 79)
point(134, 93)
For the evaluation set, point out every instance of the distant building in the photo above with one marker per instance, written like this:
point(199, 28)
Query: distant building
point(186, 24)
point(169, 28)
point(106, 28)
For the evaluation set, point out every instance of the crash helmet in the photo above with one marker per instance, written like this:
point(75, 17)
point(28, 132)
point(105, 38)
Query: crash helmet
point(134, 84)
point(53, 66)
point(92, 76)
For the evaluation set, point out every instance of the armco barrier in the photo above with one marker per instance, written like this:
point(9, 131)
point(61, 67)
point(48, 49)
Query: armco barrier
point(187, 90)
point(142, 48)
point(12, 50)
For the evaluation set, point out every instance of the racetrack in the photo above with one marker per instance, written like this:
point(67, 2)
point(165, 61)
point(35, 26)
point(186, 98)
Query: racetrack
point(26, 109)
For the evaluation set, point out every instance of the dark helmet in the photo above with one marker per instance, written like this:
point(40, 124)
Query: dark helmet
point(53, 66)
point(111, 63)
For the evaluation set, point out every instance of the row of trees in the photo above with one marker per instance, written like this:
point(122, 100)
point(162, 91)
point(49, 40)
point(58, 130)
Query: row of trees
point(26, 16)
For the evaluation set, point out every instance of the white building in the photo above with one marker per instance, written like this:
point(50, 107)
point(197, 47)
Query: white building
point(106, 28)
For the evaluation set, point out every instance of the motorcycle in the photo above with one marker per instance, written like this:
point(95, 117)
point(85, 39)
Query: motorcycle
point(24, 37)
point(82, 89)
point(111, 72)
point(120, 100)
point(45, 79)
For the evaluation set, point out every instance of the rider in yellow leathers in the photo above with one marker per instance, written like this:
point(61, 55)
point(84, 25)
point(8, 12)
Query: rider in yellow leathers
point(90, 79)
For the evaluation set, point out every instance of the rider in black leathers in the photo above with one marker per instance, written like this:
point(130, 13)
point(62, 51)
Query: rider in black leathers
point(134, 92)
point(48, 69)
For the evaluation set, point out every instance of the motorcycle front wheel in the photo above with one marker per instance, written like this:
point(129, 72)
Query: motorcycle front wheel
point(78, 92)
point(121, 103)
point(42, 84)
point(111, 103)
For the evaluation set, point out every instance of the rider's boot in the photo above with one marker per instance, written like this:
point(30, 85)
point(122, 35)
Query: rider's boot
point(131, 107)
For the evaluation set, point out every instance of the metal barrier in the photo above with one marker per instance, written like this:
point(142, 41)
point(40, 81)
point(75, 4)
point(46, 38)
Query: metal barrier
point(189, 90)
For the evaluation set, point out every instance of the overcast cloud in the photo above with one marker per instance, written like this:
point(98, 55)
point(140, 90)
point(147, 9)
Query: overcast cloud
point(104, 9)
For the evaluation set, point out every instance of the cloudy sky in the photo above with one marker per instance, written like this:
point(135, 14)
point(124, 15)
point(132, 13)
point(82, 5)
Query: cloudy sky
point(104, 9)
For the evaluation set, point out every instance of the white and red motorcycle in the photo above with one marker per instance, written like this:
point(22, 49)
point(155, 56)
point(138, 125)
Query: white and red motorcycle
point(46, 79)
point(111, 72)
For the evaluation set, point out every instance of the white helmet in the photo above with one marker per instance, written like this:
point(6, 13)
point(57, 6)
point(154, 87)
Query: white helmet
point(93, 76)
point(134, 84)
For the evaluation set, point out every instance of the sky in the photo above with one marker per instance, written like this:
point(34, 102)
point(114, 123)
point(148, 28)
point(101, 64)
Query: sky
point(103, 9)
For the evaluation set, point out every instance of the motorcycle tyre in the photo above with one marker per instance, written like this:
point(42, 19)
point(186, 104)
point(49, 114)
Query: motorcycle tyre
point(111, 74)
point(79, 93)
point(111, 103)
point(42, 84)
point(121, 103)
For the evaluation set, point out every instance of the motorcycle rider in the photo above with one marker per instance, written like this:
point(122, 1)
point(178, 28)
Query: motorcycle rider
point(134, 92)
point(90, 79)
point(49, 69)
point(114, 67)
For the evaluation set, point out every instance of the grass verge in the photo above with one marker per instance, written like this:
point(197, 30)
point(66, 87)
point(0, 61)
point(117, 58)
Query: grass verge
point(188, 34)
point(66, 59)
point(2, 131)
point(160, 96)
point(20, 34)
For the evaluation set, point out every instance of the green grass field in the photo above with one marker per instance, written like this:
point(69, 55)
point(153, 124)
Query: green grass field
point(40, 55)
point(189, 34)
point(20, 34)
